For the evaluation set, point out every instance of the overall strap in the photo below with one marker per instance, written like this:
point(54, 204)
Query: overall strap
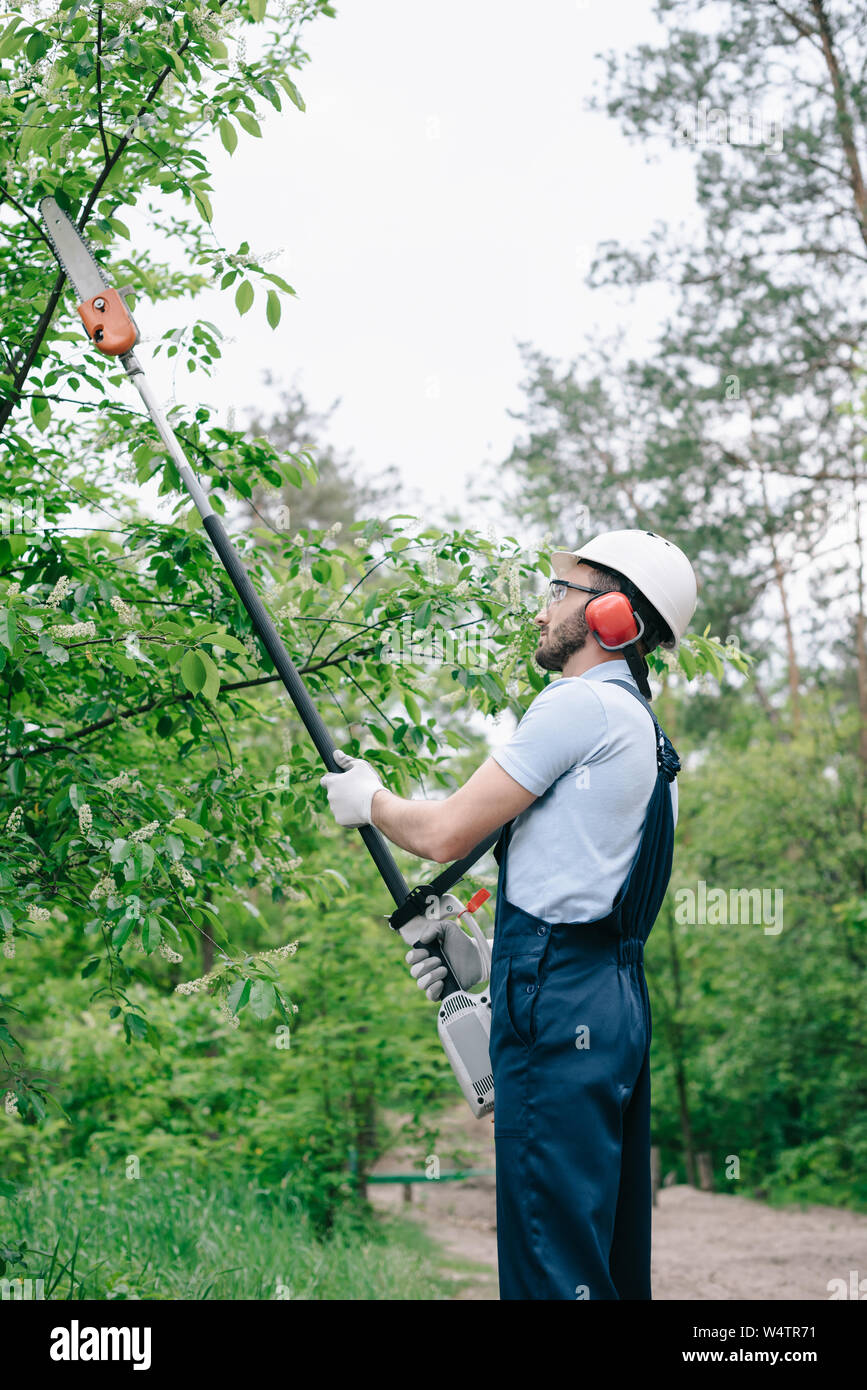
point(667, 760)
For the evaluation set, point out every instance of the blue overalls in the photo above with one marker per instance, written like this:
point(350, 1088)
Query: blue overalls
point(570, 1053)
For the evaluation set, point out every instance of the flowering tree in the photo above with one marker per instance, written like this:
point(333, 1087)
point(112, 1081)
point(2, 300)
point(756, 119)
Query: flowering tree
point(144, 801)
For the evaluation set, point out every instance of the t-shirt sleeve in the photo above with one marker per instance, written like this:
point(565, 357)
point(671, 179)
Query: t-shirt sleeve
point(564, 728)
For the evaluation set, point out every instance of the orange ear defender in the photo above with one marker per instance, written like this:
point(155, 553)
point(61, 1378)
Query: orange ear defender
point(611, 619)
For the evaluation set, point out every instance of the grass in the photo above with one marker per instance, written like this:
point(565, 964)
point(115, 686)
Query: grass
point(175, 1238)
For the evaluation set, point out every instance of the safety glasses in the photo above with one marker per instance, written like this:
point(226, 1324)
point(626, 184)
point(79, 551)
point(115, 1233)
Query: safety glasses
point(557, 590)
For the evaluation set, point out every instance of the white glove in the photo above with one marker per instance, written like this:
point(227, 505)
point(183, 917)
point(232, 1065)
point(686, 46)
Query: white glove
point(350, 793)
point(463, 955)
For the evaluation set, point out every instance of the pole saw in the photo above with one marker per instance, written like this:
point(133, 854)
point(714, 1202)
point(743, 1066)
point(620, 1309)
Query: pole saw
point(463, 1019)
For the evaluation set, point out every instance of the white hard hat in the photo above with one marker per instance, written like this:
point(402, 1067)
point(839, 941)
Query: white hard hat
point(657, 568)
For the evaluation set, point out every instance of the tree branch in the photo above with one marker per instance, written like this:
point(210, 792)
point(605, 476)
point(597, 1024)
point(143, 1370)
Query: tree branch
point(163, 702)
point(99, 83)
point(11, 400)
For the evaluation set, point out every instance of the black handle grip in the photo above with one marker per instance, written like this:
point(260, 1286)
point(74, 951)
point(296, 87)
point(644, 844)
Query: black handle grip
point(449, 983)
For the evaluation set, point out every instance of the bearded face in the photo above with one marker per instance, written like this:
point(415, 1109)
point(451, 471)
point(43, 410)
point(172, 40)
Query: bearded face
point(563, 633)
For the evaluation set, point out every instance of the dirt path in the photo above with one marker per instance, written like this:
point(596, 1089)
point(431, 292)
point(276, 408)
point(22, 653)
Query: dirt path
point(706, 1245)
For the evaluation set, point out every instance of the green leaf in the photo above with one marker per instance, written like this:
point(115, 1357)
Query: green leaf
point(279, 282)
point(122, 931)
point(190, 826)
point(224, 639)
point(292, 91)
point(257, 10)
point(263, 997)
point(193, 673)
point(37, 46)
point(8, 628)
point(135, 1026)
point(151, 934)
point(211, 687)
point(244, 296)
point(688, 662)
point(228, 134)
point(274, 309)
point(11, 41)
point(40, 412)
point(204, 203)
point(239, 993)
point(124, 663)
point(15, 775)
point(250, 124)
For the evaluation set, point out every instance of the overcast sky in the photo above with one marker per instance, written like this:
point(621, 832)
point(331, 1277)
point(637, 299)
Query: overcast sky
point(437, 203)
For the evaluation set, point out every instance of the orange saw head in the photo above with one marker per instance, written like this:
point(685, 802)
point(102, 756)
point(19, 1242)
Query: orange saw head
point(109, 323)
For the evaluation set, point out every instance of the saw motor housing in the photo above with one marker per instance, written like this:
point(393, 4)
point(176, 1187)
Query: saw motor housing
point(109, 323)
point(463, 1019)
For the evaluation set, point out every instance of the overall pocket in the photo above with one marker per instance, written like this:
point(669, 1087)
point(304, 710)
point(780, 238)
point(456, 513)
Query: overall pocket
point(520, 993)
point(514, 988)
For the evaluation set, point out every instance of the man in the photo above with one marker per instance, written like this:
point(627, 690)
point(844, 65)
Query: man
point(585, 793)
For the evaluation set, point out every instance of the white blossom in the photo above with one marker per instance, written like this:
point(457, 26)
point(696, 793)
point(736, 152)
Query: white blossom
point(280, 952)
point(226, 1013)
point(182, 872)
point(123, 610)
point(11, 1104)
point(14, 821)
point(37, 914)
point(59, 592)
point(174, 956)
point(70, 631)
point(196, 986)
point(144, 832)
point(101, 889)
point(121, 780)
point(85, 819)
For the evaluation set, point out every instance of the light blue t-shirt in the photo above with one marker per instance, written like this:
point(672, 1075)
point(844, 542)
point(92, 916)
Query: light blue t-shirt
point(587, 749)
